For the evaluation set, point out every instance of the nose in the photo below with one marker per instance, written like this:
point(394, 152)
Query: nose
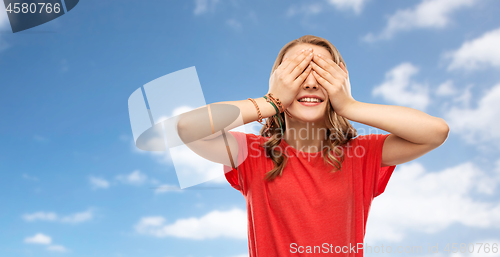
point(310, 82)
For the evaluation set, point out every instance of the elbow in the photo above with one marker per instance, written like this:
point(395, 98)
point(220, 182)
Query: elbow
point(183, 130)
point(441, 133)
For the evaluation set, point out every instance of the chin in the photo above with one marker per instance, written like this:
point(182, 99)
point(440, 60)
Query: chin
point(314, 119)
point(308, 114)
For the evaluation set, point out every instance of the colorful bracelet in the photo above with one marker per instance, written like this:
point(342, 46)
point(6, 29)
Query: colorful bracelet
point(276, 101)
point(272, 103)
point(276, 116)
point(259, 120)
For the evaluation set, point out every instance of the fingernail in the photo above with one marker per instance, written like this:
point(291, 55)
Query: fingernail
point(302, 50)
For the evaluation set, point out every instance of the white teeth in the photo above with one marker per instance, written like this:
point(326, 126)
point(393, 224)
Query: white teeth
point(312, 100)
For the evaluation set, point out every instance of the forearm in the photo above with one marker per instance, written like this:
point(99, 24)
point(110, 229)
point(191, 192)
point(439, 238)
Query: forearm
point(408, 123)
point(196, 124)
point(248, 110)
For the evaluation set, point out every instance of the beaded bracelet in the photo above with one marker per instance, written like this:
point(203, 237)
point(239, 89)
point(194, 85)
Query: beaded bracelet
point(276, 101)
point(278, 107)
point(276, 116)
point(273, 104)
point(281, 106)
point(258, 111)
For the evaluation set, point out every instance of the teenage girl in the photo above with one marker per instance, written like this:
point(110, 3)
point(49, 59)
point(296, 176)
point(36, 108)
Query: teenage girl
point(308, 179)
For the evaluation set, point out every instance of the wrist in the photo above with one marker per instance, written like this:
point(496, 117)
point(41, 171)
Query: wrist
point(266, 108)
point(275, 102)
point(346, 109)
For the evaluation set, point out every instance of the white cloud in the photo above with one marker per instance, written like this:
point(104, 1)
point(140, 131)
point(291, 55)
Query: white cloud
point(231, 224)
point(427, 14)
point(78, 217)
point(477, 53)
point(479, 124)
point(47, 216)
point(134, 178)
point(192, 169)
point(430, 202)
point(446, 89)
point(57, 248)
point(39, 238)
point(97, 182)
point(167, 188)
point(464, 98)
point(42, 239)
point(203, 6)
point(306, 9)
point(398, 88)
point(52, 216)
point(349, 5)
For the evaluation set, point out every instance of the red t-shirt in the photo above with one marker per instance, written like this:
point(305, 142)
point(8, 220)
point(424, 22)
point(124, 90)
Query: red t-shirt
point(309, 211)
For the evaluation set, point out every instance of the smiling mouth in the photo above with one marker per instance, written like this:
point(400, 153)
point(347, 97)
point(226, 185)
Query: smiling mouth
point(309, 100)
point(313, 103)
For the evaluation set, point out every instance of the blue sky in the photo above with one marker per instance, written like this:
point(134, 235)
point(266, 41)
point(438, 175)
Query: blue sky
point(72, 183)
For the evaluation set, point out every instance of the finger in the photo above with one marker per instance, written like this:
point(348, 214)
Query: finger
point(324, 62)
point(344, 68)
point(296, 61)
point(282, 64)
point(325, 74)
point(298, 53)
point(348, 85)
point(301, 66)
point(322, 81)
point(300, 79)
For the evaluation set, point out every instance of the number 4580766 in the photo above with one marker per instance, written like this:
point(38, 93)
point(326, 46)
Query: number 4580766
point(32, 8)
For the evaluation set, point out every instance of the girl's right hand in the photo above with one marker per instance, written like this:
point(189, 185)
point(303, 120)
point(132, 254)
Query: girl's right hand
point(286, 79)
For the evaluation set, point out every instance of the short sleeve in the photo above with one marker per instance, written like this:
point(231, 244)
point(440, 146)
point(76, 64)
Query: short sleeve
point(375, 177)
point(235, 176)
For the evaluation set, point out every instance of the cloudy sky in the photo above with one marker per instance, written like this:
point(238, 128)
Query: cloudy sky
point(72, 183)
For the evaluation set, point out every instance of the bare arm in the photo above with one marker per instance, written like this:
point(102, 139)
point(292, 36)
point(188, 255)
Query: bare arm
point(195, 130)
point(413, 133)
point(190, 123)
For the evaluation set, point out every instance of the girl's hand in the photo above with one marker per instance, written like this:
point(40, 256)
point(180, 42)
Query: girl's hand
point(285, 81)
point(335, 79)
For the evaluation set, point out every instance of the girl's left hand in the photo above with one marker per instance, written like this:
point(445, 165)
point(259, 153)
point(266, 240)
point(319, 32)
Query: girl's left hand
point(335, 80)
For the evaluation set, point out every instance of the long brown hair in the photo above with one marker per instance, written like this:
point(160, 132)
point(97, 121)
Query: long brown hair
point(339, 131)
